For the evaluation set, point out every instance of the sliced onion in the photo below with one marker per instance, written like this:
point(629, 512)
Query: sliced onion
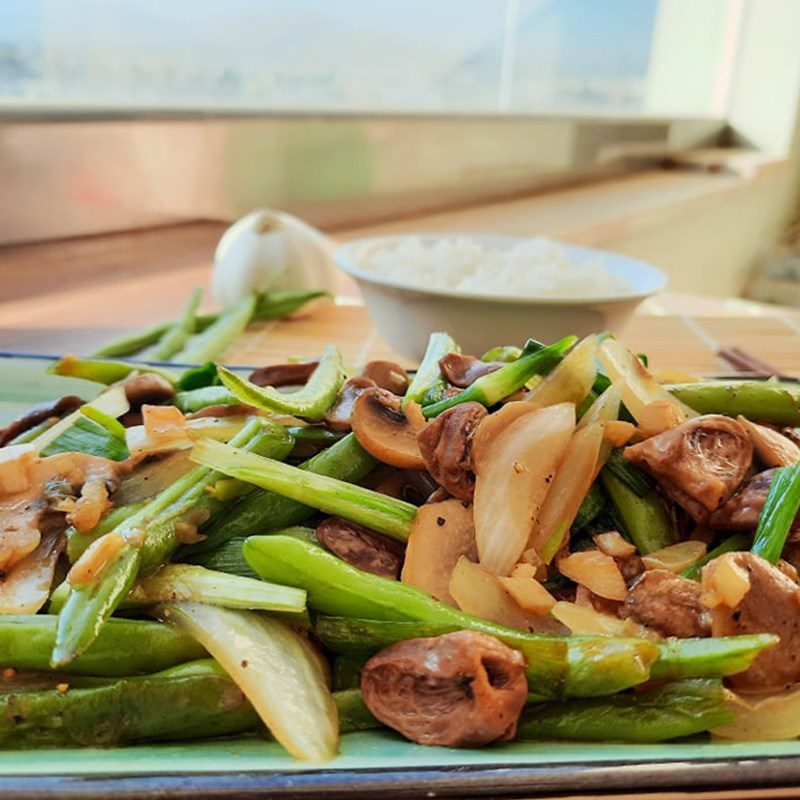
point(596, 571)
point(276, 669)
point(478, 592)
point(612, 544)
point(585, 619)
point(570, 486)
point(26, 587)
point(637, 385)
point(675, 557)
point(514, 472)
point(773, 448)
point(776, 716)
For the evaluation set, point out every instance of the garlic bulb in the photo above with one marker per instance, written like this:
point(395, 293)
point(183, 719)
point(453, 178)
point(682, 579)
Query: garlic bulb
point(271, 250)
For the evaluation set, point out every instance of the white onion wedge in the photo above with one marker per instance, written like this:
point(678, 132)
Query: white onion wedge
point(637, 386)
point(675, 557)
point(574, 477)
point(772, 447)
point(274, 667)
point(514, 471)
point(26, 587)
point(221, 429)
point(596, 571)
point(586, 620)
point(478, 592)
point(776, 716)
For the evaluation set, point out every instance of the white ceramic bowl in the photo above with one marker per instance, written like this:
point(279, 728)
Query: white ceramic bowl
point(406, 315)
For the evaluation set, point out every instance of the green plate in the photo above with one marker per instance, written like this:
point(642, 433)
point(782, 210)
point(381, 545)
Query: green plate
point(373, 763)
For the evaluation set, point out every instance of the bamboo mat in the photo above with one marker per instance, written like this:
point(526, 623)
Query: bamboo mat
point(674, 343)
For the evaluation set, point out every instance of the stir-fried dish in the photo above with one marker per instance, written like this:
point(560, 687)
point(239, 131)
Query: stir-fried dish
point(540, 542)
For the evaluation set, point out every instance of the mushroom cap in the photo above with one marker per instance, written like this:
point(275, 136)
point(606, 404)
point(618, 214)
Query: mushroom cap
point(446, 447)
point(699, 464)
point(462, 689)
point(386, 430)
point(462, 371)
point(362, 548)
point(339, 417)
point(277, 375)
point(387, 375)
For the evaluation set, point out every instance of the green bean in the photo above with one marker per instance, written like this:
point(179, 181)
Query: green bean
point(122, 647)
point(708, 658)
point(272, 305)
point(177, 335)
point(634, 478)
point(768, 401)
point(206, 346)
point(311, 402)
point(555, 664)
point(192, 701)
point(656, 715)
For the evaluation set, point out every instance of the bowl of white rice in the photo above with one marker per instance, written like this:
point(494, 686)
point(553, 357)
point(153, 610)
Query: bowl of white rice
point(489, 290)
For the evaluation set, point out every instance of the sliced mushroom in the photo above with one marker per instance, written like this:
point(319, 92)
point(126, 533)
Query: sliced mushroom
point(462, 371)
point(361, 547)
point(667, 603)
point(446, 447)
point(772, 447)
point(222, 410)
point(742, 511)
point(440, 534)
point(148, 389)
point(339, 418)
point(387, 375)
point(764, 601)
point(277, 375)
point(462, 689)
point(699, 463)
point(387, 431)
point(412, 485)
point(37, 414)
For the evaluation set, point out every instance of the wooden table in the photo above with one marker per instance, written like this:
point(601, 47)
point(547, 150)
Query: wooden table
point(69, 296)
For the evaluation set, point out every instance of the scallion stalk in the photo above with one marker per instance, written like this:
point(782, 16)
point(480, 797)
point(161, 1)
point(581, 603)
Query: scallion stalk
point(777, 516)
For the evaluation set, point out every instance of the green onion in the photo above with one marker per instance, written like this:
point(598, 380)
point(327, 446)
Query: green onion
point(777, 516)
point(428, 378)
point(592, 505)
point(363, 506)
point(494, 387)
point(634, 478)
